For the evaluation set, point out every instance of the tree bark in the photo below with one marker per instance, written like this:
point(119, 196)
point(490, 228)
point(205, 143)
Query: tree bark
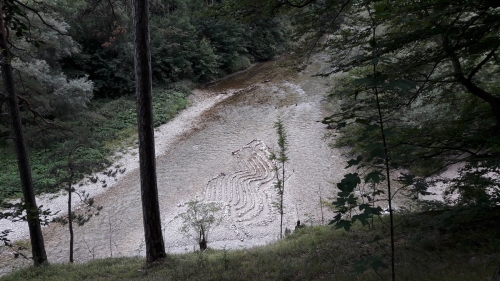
point(155, 248)
point(493, 101)
point(70, 218)
point(70, 193)
point(32, 214)
point(202, 241)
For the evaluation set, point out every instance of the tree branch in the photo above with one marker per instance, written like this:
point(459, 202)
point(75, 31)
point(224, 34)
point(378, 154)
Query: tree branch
point(40, 17)
point(301, 5)
point(492, 100)
point(482, 63)
point(449, 148)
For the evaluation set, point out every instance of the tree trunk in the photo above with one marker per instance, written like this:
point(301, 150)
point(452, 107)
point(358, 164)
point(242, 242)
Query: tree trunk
point(202, 241)
point(32, 215)
point(70, 220)
point(155, 248)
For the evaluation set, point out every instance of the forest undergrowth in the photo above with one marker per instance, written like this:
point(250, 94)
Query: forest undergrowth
point(448, 244)
point(107, 126)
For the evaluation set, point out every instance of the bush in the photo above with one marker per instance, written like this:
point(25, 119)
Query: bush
point(240, 63)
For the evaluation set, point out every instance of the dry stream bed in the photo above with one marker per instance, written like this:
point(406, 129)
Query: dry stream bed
point(215, 150)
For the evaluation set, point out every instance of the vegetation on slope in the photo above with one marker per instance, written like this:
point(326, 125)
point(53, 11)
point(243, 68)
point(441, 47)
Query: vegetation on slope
point(100, 130)
point(452, 244)
point(437, 75)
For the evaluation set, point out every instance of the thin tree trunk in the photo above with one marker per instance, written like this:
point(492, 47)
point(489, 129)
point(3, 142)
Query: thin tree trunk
point(70, 193)
point(321, 205)
point(281, 203)
point(389, 190)
point(110, 240)
point(155, 248)
point(32, 215)
point(386, 161)
point(70, 217)
point(387, 170)
point(202, 241)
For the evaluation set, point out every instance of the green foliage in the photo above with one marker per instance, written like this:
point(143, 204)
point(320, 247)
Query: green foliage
point(18, 212)
point(188, 41)
point(279, 159)
point(207, 65)
point(46, 169)
point(240, 63)
point(106, 54)
point(267, 38)
point(99, 128)
point(459, 244)
point(347, 204)
point(476, 185)
point(166, 104)
point(52, 95)
point(227, 37)
point(199, 219)
point(39, 44)
point(413, 80)
point(374, 262)
point(437, 96)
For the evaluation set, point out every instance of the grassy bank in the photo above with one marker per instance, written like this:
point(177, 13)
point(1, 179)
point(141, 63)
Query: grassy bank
point(460, 244)
point(98, 131)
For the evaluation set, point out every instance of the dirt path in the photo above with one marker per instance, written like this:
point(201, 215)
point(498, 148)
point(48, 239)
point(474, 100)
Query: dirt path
point(216, 151)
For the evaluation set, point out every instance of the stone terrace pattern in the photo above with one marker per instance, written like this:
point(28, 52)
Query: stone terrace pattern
point(247, 195)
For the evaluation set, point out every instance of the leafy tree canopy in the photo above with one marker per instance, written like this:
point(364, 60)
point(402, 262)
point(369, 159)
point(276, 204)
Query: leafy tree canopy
point(437, 72)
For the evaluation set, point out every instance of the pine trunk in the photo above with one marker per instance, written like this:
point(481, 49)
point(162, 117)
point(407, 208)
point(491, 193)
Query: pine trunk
point(36, 237)
point(70, 216)
point(155, 248)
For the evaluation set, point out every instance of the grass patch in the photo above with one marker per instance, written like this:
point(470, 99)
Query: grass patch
point(459, 244)
point(103, 128)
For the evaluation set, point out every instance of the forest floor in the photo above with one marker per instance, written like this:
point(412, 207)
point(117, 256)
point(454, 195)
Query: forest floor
point(446, 245)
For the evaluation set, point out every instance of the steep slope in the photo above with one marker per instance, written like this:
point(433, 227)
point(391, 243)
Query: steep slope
point(219, 146)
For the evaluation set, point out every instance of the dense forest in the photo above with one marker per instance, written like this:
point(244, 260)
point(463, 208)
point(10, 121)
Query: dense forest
point(416, 86)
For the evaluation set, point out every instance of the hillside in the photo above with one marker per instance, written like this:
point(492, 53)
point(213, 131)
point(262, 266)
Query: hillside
point(389, 117)
point(221, 141)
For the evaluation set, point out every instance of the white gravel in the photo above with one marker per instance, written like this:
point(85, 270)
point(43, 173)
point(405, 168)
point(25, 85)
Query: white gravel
point(189, 155)
point(165, 137)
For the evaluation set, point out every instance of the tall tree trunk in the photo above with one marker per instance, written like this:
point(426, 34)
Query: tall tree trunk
point(32, 215)
point(155, 248)
point(70, 217)
point(70, 193)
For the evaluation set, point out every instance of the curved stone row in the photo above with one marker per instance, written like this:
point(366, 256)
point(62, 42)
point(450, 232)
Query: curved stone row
point(247, 193)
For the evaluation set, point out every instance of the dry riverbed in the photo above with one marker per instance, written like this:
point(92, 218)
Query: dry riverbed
point(215, 150)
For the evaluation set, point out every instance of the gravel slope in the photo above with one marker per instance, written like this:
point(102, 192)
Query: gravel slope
point(216, 146)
